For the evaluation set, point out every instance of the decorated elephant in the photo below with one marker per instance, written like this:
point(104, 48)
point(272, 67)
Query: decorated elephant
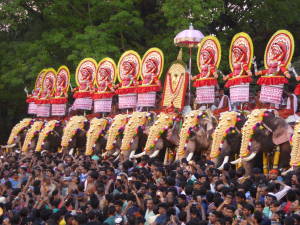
point(50, 136)
point(227, 137)
point(266, 136)
point(74, 135)
point(115, 134)
point(135, 134)
point(195, 134)
point(32, 136)
point(163, 135)
point(95, 137)
point(18, 134)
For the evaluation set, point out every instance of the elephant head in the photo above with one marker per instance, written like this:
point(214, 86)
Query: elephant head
point(95, 135)
point(195, 133)
point(262, 132)
point(74, 134)
point(162, 134)
point(18, 133)
point(134, 135)
point(32, 136)
point(50, 136)
point(226, 137)
point(114, 135)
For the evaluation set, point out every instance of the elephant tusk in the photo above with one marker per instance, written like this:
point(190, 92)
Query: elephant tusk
point(154, 154)
point(287, 171)
point(190, 156)
point(8, 146)
point(71, 151)
point(116, 153)
point(237, 161)
point(116, 159)
point(226, 159)
point(104, 154)
point(250, 157)
point(139, 155)
point(131, 154)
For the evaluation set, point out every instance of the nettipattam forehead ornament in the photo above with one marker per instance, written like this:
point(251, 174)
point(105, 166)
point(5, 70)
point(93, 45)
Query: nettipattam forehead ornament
point(155, 58)
point(209, 45)
point(106, 70)
point(129, 64)
point(280, 47)
point(63, 78)
point(39, 80)
point(49, 81)
point(241, 44)
point(86, 71)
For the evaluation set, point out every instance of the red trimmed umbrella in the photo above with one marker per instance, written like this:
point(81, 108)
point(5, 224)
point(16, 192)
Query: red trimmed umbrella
point(190, 39)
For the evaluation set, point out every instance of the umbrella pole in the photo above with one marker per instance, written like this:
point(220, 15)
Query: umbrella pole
point(190, 75)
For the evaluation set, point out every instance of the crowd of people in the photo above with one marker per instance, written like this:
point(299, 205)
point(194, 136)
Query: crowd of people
point(55, 189)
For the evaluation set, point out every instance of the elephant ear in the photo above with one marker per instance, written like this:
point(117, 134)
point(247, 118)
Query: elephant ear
point(282, 133)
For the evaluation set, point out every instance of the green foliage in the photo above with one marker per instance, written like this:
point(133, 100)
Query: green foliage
point(36, 34)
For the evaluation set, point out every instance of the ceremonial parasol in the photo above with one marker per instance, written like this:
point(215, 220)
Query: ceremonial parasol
point(189, 38)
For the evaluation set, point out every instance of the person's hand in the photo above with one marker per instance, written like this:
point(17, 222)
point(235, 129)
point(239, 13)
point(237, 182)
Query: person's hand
point(225, 77)
point(298, 78)
point(288, 75)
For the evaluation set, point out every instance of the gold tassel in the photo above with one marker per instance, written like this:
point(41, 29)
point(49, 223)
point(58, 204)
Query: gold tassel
point(276, 157)
point(265, 163)
point(59, 150)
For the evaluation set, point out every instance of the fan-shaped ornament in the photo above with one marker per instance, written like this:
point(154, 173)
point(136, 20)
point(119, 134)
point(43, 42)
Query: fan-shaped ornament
point(31, 98)
point(46, 93)
point(129, 67)
point(152, 67)
point(59, 102)
point(105, 82)
point(240, 58)
point(85, 77)
point(278, 55)
point(208, 60)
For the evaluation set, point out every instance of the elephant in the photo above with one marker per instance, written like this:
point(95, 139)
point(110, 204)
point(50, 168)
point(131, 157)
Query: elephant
point(50, 136)
point(95, 136)
point(163, 135)
point(18, 134)
point(74, 135)
point(135, 134)
point(114, 135)
point(32, 136)
point(263, 134)
point(227, 137)
point(195, 134)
